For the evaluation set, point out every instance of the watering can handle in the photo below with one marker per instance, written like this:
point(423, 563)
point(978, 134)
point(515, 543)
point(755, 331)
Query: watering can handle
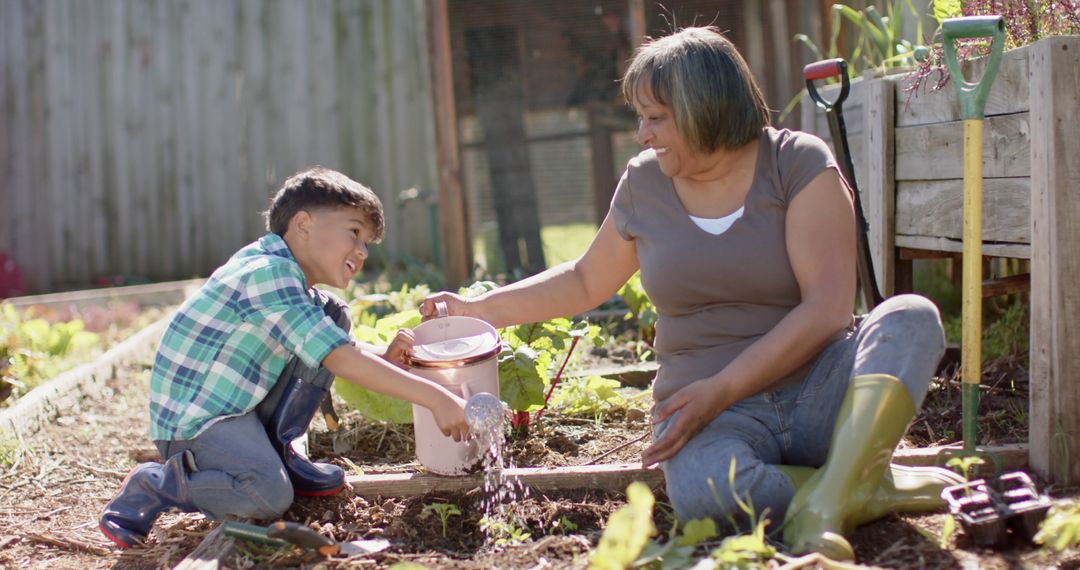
point(973, 95)
point(825, 69)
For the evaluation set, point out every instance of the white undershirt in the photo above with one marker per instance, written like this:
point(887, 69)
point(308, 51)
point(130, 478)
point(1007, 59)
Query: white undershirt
point(717, 226)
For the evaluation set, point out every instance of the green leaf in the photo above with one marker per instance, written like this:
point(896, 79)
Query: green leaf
point(945, 9)
point(627, 531)
point(520, 383)
point(697, 531)
point(589, 396)
point(373, 405)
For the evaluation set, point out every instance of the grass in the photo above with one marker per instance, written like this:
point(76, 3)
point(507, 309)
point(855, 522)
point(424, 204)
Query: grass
point(561, 243)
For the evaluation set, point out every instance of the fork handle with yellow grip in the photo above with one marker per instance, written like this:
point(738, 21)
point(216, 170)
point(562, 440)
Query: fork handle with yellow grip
point(972, 97)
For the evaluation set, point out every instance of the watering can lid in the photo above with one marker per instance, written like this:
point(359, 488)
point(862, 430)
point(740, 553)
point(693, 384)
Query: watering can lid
point(449, 342)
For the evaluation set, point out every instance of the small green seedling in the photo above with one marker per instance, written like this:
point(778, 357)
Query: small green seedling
point(503, 532)
point(563, 525)
point(948, 527)
point(965, 465)
point(444, 510)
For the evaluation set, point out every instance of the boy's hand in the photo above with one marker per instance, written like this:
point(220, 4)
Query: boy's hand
point(401, 349)
point(455, 305)
point(450, 417)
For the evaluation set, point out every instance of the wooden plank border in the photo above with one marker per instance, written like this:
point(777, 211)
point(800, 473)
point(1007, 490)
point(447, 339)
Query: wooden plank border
point(167, 293)
point(608, 477)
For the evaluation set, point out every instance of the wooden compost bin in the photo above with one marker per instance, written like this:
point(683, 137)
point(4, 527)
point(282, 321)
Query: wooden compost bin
point(908, 160)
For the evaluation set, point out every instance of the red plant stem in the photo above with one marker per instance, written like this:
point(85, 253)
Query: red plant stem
point(558, 375)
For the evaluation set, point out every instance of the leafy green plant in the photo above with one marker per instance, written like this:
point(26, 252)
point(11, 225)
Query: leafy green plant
point(879, 42)
point(745, 550)
point(503, 532)
point(641, 307)
point(1026, 21)
point(678, 551)
point(965, 465)
point(33, 350)
point(750, 550)
point(594, 395)
point(527, 361)
point(444, 510)
point(1060, 530)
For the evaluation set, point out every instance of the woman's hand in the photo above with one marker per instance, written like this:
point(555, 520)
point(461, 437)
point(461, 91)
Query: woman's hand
point(697, 404)
point(450, 417)
point(455, 305)
point(401, 349)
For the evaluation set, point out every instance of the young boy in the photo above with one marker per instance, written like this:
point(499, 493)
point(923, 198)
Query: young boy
point(246, 361)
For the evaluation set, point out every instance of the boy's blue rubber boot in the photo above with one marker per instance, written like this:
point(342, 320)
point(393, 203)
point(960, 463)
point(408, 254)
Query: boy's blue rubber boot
point(149, 490)
point(299, 401)
point(291, 404)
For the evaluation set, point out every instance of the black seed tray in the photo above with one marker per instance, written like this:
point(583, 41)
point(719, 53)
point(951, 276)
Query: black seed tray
point(988, 510)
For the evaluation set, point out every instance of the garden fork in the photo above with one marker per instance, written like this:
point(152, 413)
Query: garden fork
point(972, 97)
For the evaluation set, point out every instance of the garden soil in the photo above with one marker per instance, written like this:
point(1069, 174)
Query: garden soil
point(51, 496)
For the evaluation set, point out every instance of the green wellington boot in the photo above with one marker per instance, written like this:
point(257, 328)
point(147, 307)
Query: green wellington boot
point(858, 484)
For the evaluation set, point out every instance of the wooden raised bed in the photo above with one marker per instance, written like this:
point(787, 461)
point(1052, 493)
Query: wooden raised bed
point(908, 161)
point(44, 403)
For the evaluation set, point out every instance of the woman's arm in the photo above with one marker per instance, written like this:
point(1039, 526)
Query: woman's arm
point(566, 289)
point(820, 227)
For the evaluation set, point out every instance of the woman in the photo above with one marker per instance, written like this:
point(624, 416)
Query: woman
point(745, 238)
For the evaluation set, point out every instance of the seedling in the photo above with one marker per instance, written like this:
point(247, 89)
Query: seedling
point(948, 527)
point(965, 465)
point(503, 532)
point(563, 525)
point(444, 510)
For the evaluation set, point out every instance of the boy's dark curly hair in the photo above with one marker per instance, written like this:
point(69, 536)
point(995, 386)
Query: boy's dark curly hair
point(320, 187)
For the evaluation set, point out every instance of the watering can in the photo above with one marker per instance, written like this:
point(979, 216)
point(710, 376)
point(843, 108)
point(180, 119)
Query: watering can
point(460, 354)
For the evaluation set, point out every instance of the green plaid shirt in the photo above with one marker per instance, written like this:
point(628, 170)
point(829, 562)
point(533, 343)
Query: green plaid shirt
point(226, 346)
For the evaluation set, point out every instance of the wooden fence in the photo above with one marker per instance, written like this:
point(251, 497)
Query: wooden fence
point(143, 138)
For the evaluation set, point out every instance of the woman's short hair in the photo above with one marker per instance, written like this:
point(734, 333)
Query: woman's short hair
point(322, 188)
point(700, 75)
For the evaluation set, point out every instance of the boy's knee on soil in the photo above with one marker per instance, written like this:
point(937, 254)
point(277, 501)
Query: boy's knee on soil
point(268, 493)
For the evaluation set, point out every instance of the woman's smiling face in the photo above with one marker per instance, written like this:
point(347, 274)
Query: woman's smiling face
point(657, 130)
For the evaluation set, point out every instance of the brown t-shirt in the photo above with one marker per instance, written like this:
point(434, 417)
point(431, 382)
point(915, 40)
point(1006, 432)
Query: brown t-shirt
point(716, 294)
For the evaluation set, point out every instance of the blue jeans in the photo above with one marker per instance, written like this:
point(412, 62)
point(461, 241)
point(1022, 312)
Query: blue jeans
point(239, 472)
point(793, 425)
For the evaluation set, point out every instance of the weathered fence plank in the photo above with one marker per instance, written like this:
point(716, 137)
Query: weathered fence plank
point(1055, 238)
point(934, 208)
point(933, 152)
point(143, 138)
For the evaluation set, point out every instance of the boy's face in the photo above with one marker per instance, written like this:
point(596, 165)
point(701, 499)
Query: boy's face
point(330, 244)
